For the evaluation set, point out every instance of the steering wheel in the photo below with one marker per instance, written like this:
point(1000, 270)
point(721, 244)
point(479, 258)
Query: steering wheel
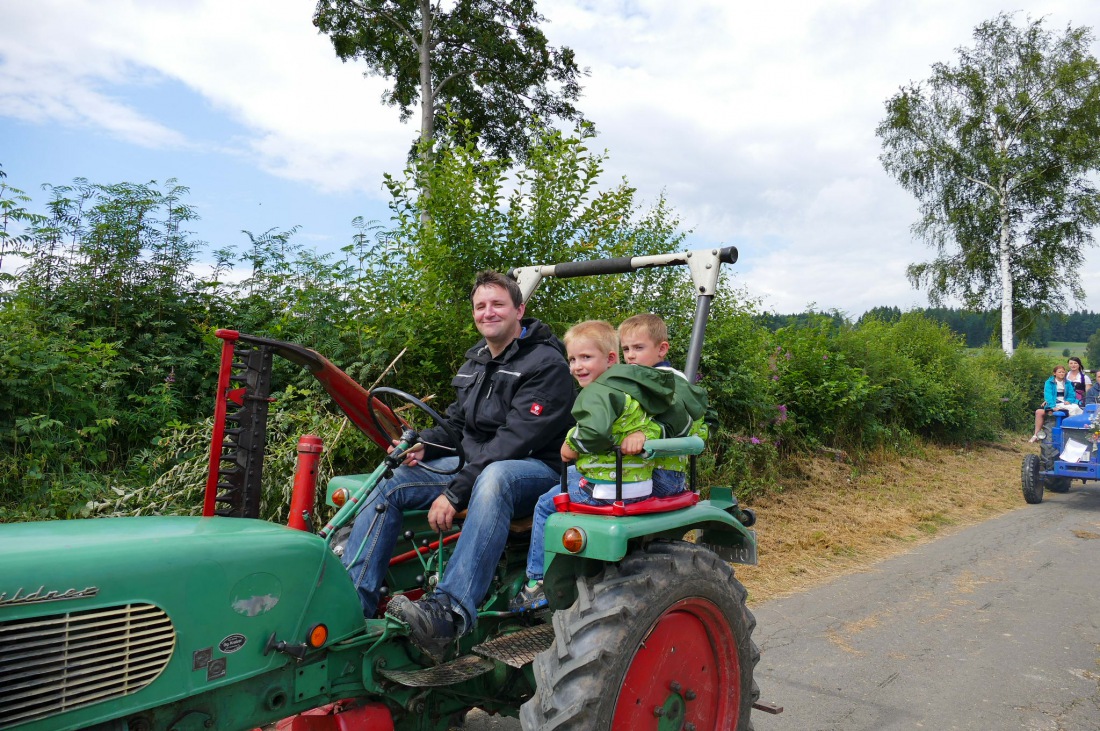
point(393, 425)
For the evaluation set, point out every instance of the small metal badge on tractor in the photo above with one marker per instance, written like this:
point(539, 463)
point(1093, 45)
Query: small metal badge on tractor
point(232, 643)
point(41, 595)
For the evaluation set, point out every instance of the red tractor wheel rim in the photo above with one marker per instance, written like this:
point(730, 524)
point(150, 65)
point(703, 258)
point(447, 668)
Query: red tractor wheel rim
point(684, 671)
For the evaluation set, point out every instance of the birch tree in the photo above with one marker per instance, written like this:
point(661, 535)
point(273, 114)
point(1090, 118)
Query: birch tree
point(487, 60)
point(1000, 150)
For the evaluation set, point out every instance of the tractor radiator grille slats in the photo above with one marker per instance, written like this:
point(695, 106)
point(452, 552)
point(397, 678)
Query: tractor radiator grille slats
point(64, 661)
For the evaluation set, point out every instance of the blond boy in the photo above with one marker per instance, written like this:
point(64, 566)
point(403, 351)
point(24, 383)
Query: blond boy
point(617, 406)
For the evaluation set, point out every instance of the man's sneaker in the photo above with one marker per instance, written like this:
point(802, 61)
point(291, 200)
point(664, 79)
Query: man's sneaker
point(431, 622)
point(529, 598)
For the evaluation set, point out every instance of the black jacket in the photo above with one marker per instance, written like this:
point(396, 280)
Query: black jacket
point(513, 406)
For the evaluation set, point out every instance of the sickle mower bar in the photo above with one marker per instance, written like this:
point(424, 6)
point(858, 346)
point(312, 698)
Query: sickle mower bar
point(233, 484)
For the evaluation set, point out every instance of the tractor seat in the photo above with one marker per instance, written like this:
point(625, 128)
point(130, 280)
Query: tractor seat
point(617, 509)
point(519, 526)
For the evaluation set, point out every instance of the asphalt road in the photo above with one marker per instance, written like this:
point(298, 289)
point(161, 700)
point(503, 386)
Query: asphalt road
point(994, 627)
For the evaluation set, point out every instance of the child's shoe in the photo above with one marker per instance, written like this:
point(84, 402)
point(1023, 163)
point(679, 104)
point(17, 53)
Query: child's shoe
point(530, 597)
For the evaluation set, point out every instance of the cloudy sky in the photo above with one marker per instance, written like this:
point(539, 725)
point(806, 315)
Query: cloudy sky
point(756, 120)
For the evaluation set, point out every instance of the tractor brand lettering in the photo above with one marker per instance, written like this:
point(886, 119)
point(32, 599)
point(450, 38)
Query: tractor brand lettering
point(41, 595)
point(232, 643)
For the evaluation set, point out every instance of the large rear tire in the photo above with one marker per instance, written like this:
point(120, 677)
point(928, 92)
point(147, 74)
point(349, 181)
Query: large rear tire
point(1032, 481)
point(662, 639)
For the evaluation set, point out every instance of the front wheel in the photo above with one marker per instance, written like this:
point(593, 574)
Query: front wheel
point(660, 640)
point(1032, 481)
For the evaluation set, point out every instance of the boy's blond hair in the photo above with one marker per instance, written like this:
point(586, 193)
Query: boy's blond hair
point(650, 325)
point(599, 332)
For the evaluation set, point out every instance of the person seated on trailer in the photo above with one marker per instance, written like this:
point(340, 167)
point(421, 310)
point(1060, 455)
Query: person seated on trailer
point(1058, 393)
point(512, 412)
point(618, 405)
point(1076, 375)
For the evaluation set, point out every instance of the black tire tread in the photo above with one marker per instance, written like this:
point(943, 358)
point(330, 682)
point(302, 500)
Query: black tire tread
point(575, 676)
point(1031, 480)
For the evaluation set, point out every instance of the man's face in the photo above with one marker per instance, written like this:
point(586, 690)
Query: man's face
point(495, 317)
point(639, 348)
point(586, 361)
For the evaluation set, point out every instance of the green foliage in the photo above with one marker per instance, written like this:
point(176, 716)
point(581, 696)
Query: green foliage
point(554, 211)
point(1092, 350)
point(108, 320)
point(108, 357)
point(487, 61)
point(999, 150)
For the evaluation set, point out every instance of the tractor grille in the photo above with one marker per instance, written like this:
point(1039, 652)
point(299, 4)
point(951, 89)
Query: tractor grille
point(59, 662)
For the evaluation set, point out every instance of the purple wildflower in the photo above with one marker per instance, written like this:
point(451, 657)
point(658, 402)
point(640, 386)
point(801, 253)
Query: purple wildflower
point(754, 440)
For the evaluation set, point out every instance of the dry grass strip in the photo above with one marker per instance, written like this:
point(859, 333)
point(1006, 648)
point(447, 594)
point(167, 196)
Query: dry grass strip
point(835, 518)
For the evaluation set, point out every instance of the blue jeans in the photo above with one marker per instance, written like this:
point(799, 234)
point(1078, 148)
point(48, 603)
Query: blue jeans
point(666, 483)
point(503, 490)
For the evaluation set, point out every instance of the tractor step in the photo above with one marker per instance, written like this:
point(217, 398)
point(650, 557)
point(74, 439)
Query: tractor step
point(455, 671)
point(515, 648)
point(518, 648)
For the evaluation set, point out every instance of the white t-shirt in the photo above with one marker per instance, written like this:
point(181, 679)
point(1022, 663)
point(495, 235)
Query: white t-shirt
point(1071, 379)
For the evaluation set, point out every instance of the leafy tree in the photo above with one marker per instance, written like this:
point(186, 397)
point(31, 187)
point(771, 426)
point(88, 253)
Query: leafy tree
point(13, 213)
point(999, 150)
point(486, 214)
point(1092, 350)
point(487, 60)
point(884, 314)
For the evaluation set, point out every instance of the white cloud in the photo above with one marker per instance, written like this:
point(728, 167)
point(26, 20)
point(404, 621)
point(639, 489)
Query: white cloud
point(755, 120)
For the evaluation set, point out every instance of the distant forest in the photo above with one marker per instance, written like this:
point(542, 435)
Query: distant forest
point(977, 328)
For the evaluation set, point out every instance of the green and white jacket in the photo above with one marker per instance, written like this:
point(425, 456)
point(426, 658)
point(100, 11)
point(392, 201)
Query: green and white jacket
point(623, 400)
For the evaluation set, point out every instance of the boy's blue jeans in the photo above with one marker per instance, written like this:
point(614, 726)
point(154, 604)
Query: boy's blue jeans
point(665, 484)
point(504, 490)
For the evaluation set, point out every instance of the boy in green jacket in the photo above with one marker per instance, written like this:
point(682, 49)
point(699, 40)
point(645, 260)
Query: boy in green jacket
point(644, 340)
point(618, 405)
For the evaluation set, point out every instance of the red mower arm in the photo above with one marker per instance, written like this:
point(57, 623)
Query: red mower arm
point(236, 453)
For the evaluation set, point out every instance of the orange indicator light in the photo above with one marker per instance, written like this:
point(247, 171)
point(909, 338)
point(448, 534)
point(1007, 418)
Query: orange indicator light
point(574, 540)
point(318, 635)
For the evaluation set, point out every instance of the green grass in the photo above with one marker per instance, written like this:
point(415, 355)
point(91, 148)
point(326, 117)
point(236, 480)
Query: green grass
point(1055, 349)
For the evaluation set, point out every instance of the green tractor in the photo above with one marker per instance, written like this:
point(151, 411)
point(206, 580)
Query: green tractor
point(228, 622)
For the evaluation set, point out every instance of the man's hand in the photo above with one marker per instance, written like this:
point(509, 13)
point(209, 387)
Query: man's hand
point(568, 454)
point(414, 455)
point(441, 514)
point(633, 443)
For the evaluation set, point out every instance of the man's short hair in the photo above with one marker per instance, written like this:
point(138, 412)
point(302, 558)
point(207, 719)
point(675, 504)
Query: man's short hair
point(650, 325)
point(489, 278)
point(599, 332)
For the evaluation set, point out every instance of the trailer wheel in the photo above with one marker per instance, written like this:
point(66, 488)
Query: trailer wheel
point(1058, 484)
point(661, 639)
point(1032, 482)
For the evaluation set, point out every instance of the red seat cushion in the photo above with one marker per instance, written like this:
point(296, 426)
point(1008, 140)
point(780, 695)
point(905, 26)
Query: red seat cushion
point(650, 505)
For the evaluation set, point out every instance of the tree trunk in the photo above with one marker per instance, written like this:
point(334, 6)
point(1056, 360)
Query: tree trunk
point(427, 100)
point(1006, 279)
point(427, 93)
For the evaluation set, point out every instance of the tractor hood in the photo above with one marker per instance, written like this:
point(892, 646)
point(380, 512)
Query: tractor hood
point(175, 605)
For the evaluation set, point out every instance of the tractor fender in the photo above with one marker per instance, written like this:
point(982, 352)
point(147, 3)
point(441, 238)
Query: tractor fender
point(609, 539)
